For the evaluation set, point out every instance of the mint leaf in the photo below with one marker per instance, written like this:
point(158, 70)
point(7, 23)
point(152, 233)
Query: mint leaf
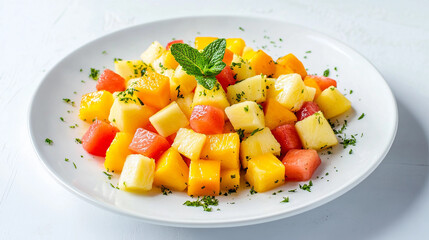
point(206, 82)
point(216, 69)
point(214, 52)
point(189, 58)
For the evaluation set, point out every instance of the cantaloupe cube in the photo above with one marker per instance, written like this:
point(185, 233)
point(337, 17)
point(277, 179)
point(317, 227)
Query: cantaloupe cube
point(202, 42)
point(215, 97)
point(241, 68)
point(265, 172)
point(258, 143)
point(332, 102)
point(118, 151)
point(235, 45)
point(181, 83)
point(246, 116)
point(137, 174)
point(170, 61)
point(171, 171)
point(262, 63)
point(204, 178)
point(310, 93)
point(153, 89)
point(189, 143)
point(276, 114)
point(185, 103)
point(310, 82)
point(128, 113)
point(129, 69)
point(250, 89)
point(315, 132)
point(293, 63)
point(248, 53)
point(224, 148)
point(229, 180)
point(289, 91)
point(169, 120)
point(154, 51)
point(95, 105)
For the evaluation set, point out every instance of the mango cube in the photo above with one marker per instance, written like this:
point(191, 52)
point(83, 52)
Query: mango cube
point(169, 120)
point(185, 103)
point(262, 63)
point(202, 42)
point(137, 174)
point(204, 178)
point(235, 45)
point(291, 62)
point(265, 172)
point(247, 116)
point(241, 68)
point(289, 91)
point(332, 102)
point(189, 143)
point(118, 151)
point(250, 89)
point(95, 105)
point(224, 148)
point(229, 180)
point(215, 97)
point(315, 132)
point(154, 51)
point(282, 70)
point(129, 69)
point(153, 89)
point(170, 61)
point(248, 53)
point(171, 171)
point(276, 114)
point(310, 82)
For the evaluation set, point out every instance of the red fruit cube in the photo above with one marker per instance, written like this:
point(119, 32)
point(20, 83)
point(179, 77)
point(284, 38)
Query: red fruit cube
point(300, 164)
point(171, 43)
point(226, 77)
point(288, 137)
point(110, 81)
point(307, 109)
point(98, 138)
point(148, 143)
point(207, 119)
point(323, 82)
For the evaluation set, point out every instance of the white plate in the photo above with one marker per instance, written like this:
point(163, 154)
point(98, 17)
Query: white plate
point(371, 95)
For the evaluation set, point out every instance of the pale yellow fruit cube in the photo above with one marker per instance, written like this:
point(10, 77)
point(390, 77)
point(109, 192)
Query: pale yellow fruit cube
point(289, 90)
point(310, 93)
point(333, 103)
point(137, 174)
point(315, 132)
point(241, 68)
point(246, 116)
point(185, 103)
point(265, 172)
point(189, 143)
point(215, 97)
point(224, 148)
point(154, 51)
point(129, 69)
point(169, 120)
point(184, 82)
point(250, 89)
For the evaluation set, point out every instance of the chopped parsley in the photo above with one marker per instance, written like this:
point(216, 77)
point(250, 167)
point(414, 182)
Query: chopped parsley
point(326, 73)
point(285, 200)
point(204, 202)
point(165, 191)
point(351, 151)
point(66, 159)
point(104, 52)
point(179, 95)
point(77, 140)
point(255, 131)
point(108, 175)
point(49, 141)
point(293, 190)
point(62, 119)
point(241, 29)
point(348, 141)
point(67, 100)
point(240, 134)
point(252, 191)
point(308, 52)
point(94, 73)
point(361, 116)
point(306, 187)
point(74, 164)
point(246, 108)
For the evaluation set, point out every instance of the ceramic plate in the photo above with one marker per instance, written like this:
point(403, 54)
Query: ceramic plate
point(339, 172)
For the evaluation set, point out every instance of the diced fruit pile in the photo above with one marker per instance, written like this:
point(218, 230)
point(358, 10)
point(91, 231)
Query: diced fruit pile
point(165, 121)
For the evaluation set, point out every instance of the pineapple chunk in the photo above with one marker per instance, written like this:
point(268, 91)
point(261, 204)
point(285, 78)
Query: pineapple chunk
point(153, 89)
point(259, 142)
point(138, 174)
point(202, 42)
point(118, 152)
point(315, 132)
point(224, 148)
point(251, 89)
point(248, 53)
point(95, 105)
point(276, 115)
point(270, 87)
point(235, 45)
point(181, 83)
point(185, 103)
point(215, 97)
point(265, 172)
point(332, 102)
point(169, 120)
point(241, 68)
point(189, 143)
point(129, 69)
point(154, 51)
point(229, 180)
point(310, 93)
point(128, 114)
point(158, 64)
point(171, 171)
point(290, 91)
point(204, 178)
point(246, 116)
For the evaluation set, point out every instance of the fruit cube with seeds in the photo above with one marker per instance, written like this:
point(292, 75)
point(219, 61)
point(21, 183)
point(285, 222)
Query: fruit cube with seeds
point(153, 89)
point(241, 68)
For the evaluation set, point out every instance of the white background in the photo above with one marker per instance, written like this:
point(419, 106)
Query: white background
point(392, 203)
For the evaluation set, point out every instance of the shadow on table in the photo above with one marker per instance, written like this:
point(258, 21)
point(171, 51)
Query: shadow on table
point(372, 206)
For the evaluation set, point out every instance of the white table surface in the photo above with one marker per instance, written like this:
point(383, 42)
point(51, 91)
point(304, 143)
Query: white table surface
point(392, 203)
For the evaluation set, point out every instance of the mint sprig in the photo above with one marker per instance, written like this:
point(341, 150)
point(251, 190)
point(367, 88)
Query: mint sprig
point(203, 65)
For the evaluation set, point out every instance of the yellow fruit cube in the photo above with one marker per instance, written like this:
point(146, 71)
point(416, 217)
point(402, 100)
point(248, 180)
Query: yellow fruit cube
point(246, 116)
point(235, 45)
point(170, 61)
point(154, 51)
point(310, 93)
point(282, 70)
point(241, 68)
point(169, 120)
point(158, 64)
point(276, 115)
point(291, 62)
point(290, 91)
point(248, 53)
point(185, 103)
point(95, 105)
point(171, 171)
point(265, 172)
point(315, 132)
point(202, 42)
point(204, 178)
point(251, 89)
point(332, 102)
point(189, 143)
point(118, 151)
point(138, 174)
point(229, 180)
point(262, 63)
point(215, 97)
point(259, 142)
point(310, 82)
point(181, 83)
point(129, 69)
point(224, 148)
point(153, 89)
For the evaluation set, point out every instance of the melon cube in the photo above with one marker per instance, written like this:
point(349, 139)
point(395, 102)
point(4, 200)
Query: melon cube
point(189, 143)
point(95, 105)
point(276, 114)
point(118, 151)
point(229, 180)
point(171, 171)
point(315, 132)
point(224, 148)
point(265, 172)
point(246, 116)
point(204, 178)
point(241, 68)
point(215, 97)
point(153, 89)
point(169, 120)
point(332, 102)
point(250, 89)
point(129, 69)
point(137, 174)
point(289, 90)
point(154, 51)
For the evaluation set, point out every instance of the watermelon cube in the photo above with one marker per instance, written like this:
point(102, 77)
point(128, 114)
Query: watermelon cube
point(207, 119)
point(148, 144)
point(300, 164)
point(288, 137)
point(98, 138)
point(110, 81)
point(307, 109)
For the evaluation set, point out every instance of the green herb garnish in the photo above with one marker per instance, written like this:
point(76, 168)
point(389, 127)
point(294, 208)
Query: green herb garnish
point(94, 73)
point(361, 116)
point(49, 141)
point(306, 187)
point(204, 202)
point(326, 73)
point(285, 200)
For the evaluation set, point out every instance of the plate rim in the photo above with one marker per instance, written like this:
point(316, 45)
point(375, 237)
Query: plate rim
point(217, 223)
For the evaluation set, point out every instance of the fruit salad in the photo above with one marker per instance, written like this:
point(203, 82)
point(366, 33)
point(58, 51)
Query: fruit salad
point(200, 118)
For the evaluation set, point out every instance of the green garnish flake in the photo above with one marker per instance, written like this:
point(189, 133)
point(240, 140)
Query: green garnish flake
point(252, 191)
point(108, 175)
point(240, 133)
point(66, 159)
point(351, 151)
point(255, 131)
point(241, 29)
point(104, 52)
point(77, 140)
point(74, 164)
point(306, 187)
point(204, 202)
point(94, 73)
point(361, 116)
point(326, 73)
point(308, 52)
point(62, 119)
point(67, 100)
point(293, 190)
point(49, 141)
point(179, 95)
point(285, 200)
point(246, 108)
point(165, 191)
